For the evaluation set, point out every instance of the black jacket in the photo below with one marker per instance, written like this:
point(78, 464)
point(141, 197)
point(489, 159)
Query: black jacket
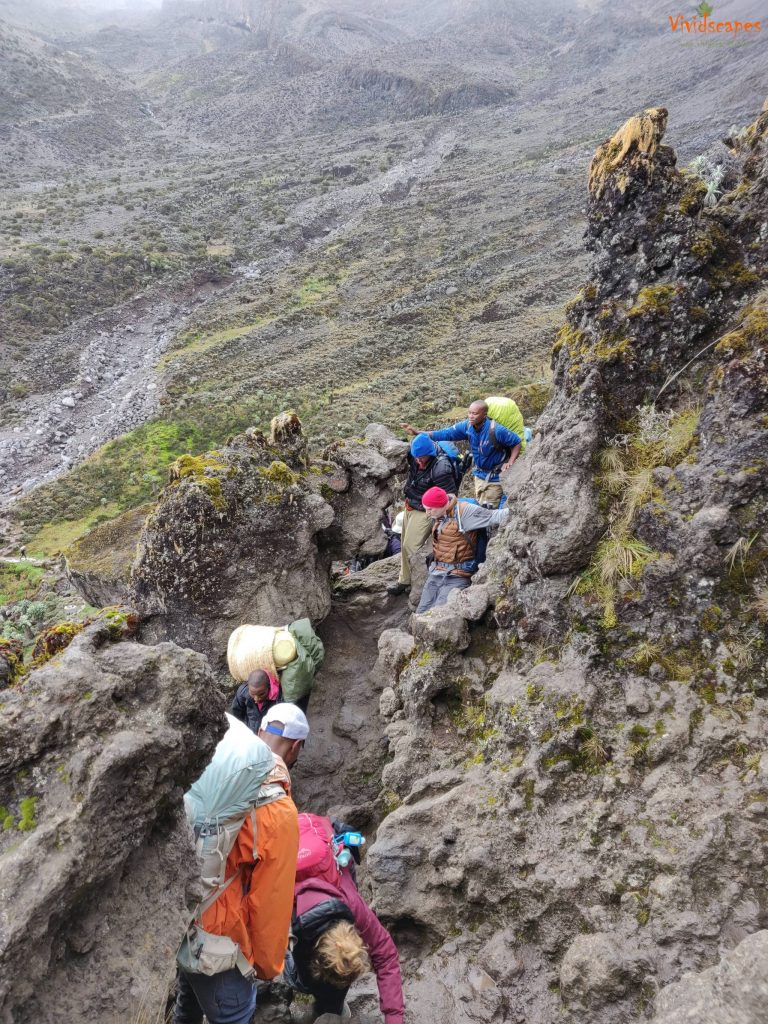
point(306, 930)
point(438, 473)
point(245, 709)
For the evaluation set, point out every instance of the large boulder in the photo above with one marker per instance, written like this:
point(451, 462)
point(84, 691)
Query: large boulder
point(247, 533)
point(734, 991)
point(233, 539)
point(363, 482)
point(96, 862)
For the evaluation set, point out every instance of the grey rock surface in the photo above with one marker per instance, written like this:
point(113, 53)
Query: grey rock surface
point(96, 866)
point(733, 991)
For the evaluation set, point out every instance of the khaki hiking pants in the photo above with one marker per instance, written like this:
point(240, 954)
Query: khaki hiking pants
point(488, 493)
point(417, 526)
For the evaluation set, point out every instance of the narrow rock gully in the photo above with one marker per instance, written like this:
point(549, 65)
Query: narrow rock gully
point(339, 772)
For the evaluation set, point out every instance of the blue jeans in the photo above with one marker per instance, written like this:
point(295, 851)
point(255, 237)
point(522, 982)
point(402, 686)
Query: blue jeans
point(226, 998)
point(438, 588)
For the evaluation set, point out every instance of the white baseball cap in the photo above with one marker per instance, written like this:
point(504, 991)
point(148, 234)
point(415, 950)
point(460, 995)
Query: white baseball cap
point(293, 722)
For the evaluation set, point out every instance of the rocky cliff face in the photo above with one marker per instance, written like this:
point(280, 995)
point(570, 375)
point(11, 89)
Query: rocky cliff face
point(577, 740)
point(574, 781)
point(96, 867)
point(247, 534)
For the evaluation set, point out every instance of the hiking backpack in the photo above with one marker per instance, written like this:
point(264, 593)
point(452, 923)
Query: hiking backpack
point(506, 412)
point(231, 787)
point(497, 444)
point(459, 463)
point(316, 857)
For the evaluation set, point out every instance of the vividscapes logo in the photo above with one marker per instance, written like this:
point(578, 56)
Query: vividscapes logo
point(703, 23)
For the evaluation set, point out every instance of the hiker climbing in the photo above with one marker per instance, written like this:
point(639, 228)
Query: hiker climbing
point(255, 697)
point(428, 466)
point(455, 537)
point(494, 449)
point(284, 729)
point(393, 532)
point(246, 843)
point(338, 938)
point(292, 654)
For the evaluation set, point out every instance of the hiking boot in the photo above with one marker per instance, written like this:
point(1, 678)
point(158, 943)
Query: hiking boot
point(398, 588)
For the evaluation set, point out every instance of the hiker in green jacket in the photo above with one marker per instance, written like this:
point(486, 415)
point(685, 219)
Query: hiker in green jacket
point(298, 675)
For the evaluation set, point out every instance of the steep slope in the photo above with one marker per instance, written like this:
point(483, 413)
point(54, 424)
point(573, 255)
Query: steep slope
point(58, 109)
point(376, 210)
point(582, 773)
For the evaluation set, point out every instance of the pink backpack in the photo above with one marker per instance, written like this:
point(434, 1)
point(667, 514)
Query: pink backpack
point(316, 858)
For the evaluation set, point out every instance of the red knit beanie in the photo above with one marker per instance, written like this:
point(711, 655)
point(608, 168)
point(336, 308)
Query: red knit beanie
point(435, 497)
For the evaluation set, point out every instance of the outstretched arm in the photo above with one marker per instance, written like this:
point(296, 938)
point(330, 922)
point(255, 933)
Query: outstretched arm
point(475, 517)
point(383, 954)
point(458, 432)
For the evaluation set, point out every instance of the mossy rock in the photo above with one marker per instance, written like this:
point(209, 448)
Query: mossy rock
point(279, 474)
point(203, 471)
point(11, 661)
point(655, 300)
point(748, 336)
point(56, 639)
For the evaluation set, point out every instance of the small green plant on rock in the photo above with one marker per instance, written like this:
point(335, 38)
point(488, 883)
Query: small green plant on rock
point(27, 820)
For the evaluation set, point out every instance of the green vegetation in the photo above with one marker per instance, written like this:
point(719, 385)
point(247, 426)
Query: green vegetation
point(124, 473)
point(693, 198)
point(655, 299)
point(196, 342)
point(27, 820)
point(55, 639)
point(750, 334)
point(626, 482)
point(203, 471)
point(19, 581)
point(43, 290)
point(12, 653)
point(279, 474)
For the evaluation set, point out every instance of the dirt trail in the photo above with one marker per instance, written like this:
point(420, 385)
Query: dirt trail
point(339, 770)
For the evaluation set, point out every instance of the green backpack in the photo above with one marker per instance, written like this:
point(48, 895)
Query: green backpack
point(506, 412)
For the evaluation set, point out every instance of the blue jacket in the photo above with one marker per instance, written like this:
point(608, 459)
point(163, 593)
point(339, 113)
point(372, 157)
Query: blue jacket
point(487, 457)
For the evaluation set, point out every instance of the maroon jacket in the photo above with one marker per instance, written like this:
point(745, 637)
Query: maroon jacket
point(381, 948)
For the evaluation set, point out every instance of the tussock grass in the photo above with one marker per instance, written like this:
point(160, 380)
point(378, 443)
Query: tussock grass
point(625, 478)
point(642, 134)
point(759, 604)
point(736, 556)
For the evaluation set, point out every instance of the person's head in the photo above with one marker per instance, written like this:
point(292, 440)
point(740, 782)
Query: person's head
point(436, 502)
point(258, 685)
point(423, 449)
point(339, 956)
point(284, 729)
point(477, 413)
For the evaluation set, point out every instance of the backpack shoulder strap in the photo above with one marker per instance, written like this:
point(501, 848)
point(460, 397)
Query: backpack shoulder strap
point(493, 440)
point(202, 907)
point(268, 793)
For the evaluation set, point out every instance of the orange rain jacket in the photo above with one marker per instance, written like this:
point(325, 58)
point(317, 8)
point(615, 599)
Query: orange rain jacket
point(256, 912)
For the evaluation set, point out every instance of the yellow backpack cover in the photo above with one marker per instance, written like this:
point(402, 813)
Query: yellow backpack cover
point(506, 412)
